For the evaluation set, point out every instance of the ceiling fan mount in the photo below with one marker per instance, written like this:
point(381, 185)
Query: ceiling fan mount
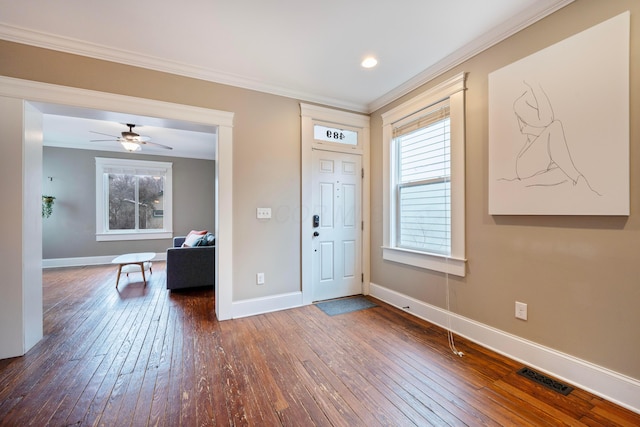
point(130, 140)
point(130, 135)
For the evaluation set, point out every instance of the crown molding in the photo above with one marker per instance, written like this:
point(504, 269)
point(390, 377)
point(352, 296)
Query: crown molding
point(498, 34)
point(97, 51)
point(92, 50)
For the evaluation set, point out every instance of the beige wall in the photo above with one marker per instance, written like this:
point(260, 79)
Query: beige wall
point(266, 150)
point(578, 275)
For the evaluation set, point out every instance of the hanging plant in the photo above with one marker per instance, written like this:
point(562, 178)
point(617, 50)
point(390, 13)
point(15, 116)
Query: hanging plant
point(47, 206)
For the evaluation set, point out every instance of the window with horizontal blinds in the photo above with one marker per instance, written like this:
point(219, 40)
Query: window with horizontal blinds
point(423, 190)
point(423, 187)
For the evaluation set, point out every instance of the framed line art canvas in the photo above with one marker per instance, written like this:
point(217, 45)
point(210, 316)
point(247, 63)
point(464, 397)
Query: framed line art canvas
point(559, 127)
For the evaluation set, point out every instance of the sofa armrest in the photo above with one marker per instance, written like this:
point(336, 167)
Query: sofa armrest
point(190, 267)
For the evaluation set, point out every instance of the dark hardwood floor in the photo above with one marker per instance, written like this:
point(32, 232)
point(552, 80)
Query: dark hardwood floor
point(144, 356)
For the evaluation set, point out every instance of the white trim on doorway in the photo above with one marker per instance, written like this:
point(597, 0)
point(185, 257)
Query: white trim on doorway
point(310, 115)
point(45, 95)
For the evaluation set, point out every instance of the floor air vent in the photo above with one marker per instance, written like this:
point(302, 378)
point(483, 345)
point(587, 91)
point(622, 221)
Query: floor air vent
point(544, 380)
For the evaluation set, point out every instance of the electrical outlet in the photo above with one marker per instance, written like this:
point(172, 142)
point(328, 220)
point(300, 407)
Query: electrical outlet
point(260, 279)
point(521, 310)
point(263, 213)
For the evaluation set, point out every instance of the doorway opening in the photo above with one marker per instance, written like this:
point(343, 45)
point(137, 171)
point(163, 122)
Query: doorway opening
point(32, 98)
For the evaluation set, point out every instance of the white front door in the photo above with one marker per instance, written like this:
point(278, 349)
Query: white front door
point(337, 219)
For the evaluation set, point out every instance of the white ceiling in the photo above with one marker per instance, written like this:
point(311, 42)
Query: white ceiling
point(309, 51)
point(75, 128)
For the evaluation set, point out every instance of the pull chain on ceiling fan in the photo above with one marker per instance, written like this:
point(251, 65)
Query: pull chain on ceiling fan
point(130, 140)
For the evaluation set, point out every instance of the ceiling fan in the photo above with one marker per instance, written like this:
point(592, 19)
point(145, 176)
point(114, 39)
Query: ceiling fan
point(130, 140)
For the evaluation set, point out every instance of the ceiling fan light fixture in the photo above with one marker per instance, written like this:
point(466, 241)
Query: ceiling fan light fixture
point(130, 140)
point(130, 146)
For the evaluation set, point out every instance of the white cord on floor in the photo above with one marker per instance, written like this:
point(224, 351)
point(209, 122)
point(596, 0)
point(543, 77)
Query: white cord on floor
point(452, 344)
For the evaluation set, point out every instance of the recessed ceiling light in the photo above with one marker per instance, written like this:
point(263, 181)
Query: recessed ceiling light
point(369, 62)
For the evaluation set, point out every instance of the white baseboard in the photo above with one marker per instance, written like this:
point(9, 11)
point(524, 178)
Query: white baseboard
point(92, 260)
point(610, 385)
point(253, 306)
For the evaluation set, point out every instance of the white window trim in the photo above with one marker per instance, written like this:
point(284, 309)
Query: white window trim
point(102, 232)
point(456, 263)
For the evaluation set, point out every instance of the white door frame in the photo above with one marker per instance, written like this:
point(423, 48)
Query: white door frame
point(311, 114)
point(41, 94)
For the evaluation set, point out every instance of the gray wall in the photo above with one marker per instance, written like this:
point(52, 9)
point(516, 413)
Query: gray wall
point(70, 231)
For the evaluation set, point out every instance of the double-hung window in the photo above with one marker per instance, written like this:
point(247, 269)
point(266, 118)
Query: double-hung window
point(424, 180)
point(133, 199)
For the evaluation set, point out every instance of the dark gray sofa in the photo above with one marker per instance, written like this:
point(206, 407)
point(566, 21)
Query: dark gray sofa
point(190, 267)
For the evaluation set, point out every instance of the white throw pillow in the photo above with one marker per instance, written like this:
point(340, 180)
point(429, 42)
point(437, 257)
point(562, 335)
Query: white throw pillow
point(192, 237)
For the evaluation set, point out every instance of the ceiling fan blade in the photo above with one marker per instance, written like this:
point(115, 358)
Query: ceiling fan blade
point(156, 144)
point(105, 134)
point(129, 136)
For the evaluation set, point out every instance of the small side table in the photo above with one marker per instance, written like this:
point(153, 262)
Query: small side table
point(130, 263)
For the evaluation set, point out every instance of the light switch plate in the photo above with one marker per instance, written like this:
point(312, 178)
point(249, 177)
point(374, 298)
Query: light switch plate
point(263, 213)
point(521, 310)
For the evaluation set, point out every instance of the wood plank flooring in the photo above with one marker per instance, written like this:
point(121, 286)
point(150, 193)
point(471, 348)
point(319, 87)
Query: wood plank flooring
point(144, 356)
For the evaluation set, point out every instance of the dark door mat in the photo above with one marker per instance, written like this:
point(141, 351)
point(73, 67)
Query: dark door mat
point(344, 305)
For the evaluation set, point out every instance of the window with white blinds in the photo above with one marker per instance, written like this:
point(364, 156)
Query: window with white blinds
point(423, 190)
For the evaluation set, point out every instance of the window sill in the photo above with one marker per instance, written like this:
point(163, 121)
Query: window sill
point(115, 236)
point(441, 263)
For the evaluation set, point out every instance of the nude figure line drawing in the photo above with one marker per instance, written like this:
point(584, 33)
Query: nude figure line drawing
point(544, 159)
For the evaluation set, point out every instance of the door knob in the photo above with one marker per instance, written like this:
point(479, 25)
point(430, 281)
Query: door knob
point(316, 234)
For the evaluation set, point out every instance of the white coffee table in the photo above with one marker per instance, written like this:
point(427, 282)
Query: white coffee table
point(130, 263)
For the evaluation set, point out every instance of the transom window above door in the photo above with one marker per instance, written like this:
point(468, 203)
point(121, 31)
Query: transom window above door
point(335, 135)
